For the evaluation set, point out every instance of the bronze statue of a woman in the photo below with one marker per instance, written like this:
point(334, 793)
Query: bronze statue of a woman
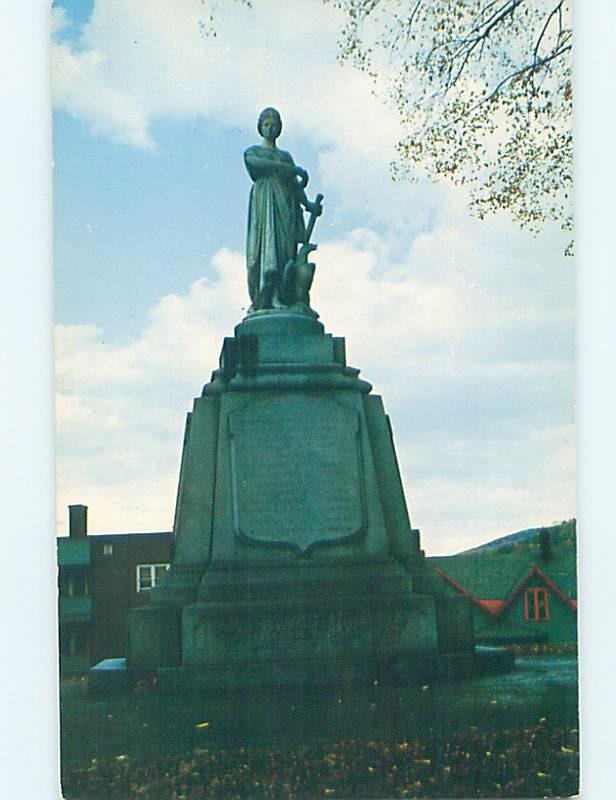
point(278, 275)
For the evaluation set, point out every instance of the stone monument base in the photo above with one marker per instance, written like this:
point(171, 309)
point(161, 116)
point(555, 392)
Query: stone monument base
point(415, 668)
point(306, 624)
point(295, 561)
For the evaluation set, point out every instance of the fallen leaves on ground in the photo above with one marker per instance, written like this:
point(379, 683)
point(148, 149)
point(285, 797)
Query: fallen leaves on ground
point(536, 761)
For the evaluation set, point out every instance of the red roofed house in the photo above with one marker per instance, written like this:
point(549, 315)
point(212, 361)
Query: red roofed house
point(514, 599)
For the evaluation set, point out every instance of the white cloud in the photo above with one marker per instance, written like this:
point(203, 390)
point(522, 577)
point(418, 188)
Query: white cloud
point(138, 62)
point(59, 20)
point(483, 444)
point(80, 86)
point(464, 491)
point(120, 408)
point(457, 515)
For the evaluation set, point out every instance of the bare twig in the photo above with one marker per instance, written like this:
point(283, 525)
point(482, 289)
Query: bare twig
point(530, 68)
point(544, 30)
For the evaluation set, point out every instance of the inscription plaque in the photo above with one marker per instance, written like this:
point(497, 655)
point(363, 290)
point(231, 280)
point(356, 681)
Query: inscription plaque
point(297, 472)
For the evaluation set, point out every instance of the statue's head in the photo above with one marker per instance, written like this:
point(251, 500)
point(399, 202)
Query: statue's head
point(270, 113)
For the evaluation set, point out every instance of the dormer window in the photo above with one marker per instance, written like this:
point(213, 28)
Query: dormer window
point(536, 605)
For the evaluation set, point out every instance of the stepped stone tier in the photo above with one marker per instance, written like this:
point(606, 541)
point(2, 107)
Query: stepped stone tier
point(295, 561)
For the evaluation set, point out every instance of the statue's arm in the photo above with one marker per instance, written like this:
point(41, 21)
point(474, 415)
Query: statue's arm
point(312, 208)
point(303, 199)
point(258, 166)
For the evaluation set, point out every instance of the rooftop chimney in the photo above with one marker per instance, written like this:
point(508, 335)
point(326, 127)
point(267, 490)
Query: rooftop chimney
point(545, 545)
point(78, 522)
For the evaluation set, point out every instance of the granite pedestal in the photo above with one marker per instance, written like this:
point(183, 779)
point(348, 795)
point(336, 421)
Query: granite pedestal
point(295, 562)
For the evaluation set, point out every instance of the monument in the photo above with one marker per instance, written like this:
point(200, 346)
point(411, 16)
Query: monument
point(295, 562)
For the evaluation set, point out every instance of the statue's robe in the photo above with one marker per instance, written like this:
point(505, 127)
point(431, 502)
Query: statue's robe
point(275, 223)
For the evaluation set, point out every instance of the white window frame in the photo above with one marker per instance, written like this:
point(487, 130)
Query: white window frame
point(152, 569)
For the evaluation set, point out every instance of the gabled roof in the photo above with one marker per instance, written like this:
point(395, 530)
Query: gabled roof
point(534, 570)
point(496, 608)
point(494, 571)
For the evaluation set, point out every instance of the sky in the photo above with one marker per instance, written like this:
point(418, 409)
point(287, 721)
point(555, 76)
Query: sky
point(465, 327)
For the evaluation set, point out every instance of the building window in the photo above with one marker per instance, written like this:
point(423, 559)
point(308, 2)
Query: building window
point(76, 586)
point(107, 549)
point(536, 606)
point(149, 575)
point(74, 643)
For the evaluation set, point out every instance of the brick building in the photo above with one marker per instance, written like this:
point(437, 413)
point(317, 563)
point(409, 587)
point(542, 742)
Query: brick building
point(100, 578)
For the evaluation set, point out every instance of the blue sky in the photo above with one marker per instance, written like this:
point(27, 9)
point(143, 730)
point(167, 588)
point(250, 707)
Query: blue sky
point(78, 12)
point(465, 327)
point(140, 222)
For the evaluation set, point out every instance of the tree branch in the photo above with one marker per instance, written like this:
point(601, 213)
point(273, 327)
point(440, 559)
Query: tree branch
point(554, 11)
point(530, 68)
point(408, 27)
point(501, 13)
point(466, 46)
